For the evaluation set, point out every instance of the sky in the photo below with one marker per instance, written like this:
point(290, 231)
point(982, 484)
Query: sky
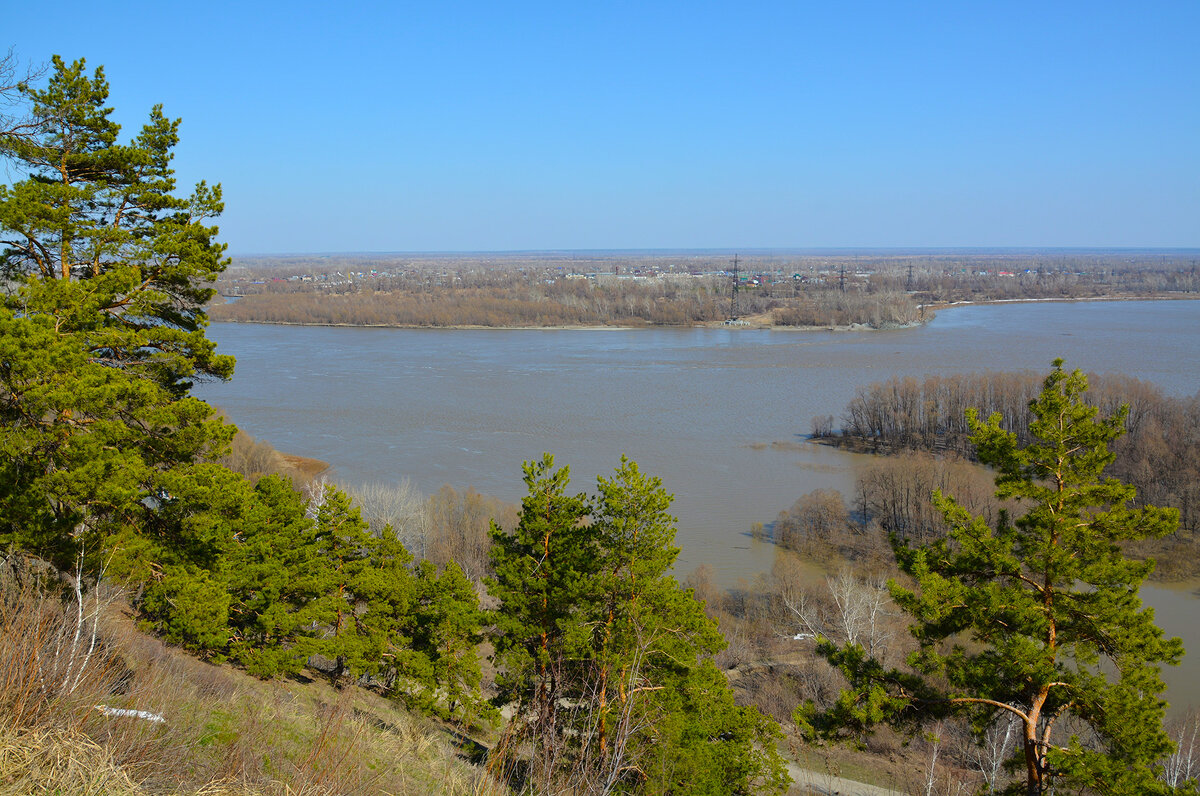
point(476, 126)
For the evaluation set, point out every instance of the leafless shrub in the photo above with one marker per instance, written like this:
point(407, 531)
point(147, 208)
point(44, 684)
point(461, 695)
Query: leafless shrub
point(51, 668)
point(459, 523)
point(399, 505)
point(853, 610)
point(814, 523)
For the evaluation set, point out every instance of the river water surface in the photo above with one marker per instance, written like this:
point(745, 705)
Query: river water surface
point(720, 415)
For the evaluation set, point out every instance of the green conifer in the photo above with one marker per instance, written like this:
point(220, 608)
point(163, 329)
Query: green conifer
point(1038, 619)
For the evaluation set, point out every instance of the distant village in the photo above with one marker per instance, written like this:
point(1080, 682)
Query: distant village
point(290, 274)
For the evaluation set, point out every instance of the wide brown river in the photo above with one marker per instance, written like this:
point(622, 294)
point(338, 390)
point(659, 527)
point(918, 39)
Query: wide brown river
point(721, 415)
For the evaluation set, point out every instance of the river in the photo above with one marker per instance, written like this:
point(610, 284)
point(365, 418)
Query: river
point(720, 415)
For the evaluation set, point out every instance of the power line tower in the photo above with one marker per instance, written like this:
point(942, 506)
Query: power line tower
point(842, 278)
point(733, 302)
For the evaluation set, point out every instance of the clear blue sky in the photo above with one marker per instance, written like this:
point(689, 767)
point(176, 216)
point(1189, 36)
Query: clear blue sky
point(500, 126)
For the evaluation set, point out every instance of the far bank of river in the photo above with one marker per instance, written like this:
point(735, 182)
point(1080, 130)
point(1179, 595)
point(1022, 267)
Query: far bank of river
point(721, 414)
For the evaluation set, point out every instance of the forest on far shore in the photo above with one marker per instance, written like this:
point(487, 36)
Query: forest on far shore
point(624, 290)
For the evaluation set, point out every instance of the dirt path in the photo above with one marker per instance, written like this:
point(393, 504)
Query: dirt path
point(815, 782)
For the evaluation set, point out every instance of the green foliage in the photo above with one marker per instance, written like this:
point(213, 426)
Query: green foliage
point(107, 465)
point(344, 554)
point(706, 744)
point(1038, 617)
point(99, 241)
point(443, 663)
point(606, 657)
point(101, 329)
point(91, 452)
point(273, 577)
point(541, 569)
point(192, 607)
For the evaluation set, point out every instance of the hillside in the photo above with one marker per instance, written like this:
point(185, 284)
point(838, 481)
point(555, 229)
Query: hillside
point(222, 732)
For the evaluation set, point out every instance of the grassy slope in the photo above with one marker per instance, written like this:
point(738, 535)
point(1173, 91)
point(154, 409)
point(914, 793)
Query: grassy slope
point(225, 732)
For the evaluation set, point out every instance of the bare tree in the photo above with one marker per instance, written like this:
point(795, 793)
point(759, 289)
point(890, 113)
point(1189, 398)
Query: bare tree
point(1184, 765)
point(994, 748)
point(17, 120)
point(856, 611)
point(459, 524)
point(401, 506)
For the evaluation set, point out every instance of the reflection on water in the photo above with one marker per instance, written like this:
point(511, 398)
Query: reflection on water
point(720, 414)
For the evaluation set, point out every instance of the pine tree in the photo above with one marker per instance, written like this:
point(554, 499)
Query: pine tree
point(346, 565)
point(97, 239)
point(91, 453)
point(663, 719)
point(446, 628)
point(1038, 619)
point(274, 577)
point(105, 274)
point(631, 693)
point(541, 569)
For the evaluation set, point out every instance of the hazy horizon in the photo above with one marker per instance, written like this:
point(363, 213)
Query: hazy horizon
point(810, 251)
point(662, 126)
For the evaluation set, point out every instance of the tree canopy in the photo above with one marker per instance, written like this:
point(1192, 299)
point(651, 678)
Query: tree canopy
point(605, 658)
point(96, 237)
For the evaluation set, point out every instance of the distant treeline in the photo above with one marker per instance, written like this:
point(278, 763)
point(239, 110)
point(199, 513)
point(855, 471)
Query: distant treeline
point(559, 304)
point(569, 303)
point(1159, 454)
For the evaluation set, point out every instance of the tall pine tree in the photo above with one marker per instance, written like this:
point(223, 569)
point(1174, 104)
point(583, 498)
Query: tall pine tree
point(96, 237)
point(541, 571)
point(105, 273)
point(605, 659)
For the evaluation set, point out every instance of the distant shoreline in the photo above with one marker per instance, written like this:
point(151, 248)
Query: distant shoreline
point(854, 327)
point(931, 311)
point(1066, 300)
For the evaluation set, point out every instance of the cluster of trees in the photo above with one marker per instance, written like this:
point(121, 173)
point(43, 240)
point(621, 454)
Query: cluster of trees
point(1159, 454)
point(829, 307)
point(606, 658)
point(1023, 280)
point(111, 472)
point(572, 303)
point(109, 466)
point(558, 304)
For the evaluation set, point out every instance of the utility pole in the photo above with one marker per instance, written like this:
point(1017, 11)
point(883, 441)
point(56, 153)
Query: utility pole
point(733, 304)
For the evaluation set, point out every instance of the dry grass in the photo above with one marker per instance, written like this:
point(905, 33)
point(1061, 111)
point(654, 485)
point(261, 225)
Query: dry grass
point(224, 732)
point(59, 761)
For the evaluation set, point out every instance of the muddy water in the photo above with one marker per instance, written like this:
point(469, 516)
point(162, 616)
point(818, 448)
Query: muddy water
point(719, 414)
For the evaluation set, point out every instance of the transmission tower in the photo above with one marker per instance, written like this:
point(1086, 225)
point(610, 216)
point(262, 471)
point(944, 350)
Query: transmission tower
point(733, 304)
point(842, 278)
